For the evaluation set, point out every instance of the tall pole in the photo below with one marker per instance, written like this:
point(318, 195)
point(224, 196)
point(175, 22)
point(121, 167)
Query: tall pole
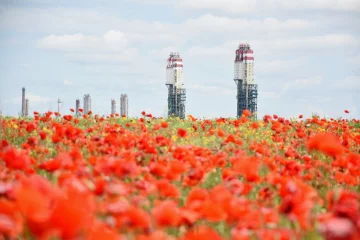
point(23, 102)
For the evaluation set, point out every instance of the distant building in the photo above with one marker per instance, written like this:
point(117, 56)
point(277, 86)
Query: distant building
point(23, 102)
point(59, 105)
point(247, 90)
point(87, 103)
point(124, 105)
point(174, 83)
point(113, 106)
point(77, 107)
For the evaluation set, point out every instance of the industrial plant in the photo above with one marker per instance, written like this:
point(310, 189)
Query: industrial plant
point(113, 106)
point(77, 107)
point(174, 83)
point(59, 105)
point(124, 104)
point(247, 90)
point(87, 103)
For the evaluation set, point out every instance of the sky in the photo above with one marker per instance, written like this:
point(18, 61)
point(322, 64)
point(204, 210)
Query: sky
point(307, 54)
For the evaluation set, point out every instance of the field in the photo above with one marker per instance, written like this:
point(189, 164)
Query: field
point(87, 177)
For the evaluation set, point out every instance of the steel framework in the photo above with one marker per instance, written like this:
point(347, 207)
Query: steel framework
point(176, 101)
point(246, 97)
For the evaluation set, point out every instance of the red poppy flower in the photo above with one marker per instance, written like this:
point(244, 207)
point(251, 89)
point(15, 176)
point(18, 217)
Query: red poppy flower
point(182, 132)
point(247, 113)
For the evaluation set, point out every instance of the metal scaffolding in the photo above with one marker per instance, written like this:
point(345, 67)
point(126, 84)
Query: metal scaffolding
point(246, 97)
point(247, 90)
point(176, 101)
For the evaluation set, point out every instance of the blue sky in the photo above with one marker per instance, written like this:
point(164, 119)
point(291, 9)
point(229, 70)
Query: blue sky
point(307, 54)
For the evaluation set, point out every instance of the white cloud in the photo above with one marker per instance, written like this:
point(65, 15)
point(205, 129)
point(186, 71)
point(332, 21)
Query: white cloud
point(350, 83)
point(37, 98)
point(67, 83)
point(162, 53)
point(267, 94)
point(280, 66)
point(322, 99)
point(347, 42)
point(33, 99)
point(25, 65)
point(111, 47)
point(355, 61)
point(127, 55)
point(245, 6)
point(111, 41)
point(301, 83)
point(217, 24)
point(209, 51)
point(321, 42)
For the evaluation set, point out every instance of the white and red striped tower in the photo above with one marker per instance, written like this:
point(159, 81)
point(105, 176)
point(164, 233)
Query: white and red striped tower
point(244, 79)
point(175, 83)
point(174, 70)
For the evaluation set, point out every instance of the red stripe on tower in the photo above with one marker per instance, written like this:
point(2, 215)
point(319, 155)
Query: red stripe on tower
point(248, 58)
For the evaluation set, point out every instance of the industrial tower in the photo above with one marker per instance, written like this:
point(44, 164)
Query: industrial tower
point(113, 106)
point(87, 103)
point(59, 105)
point(77, 107)
point(26, 107)
point(247, 91)
point(124, 105)
point(174, 83)
point(23, 102)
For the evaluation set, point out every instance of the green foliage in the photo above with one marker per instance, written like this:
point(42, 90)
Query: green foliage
point(213, 178)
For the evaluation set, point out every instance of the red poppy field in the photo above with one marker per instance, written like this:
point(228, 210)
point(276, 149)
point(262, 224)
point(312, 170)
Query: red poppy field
point(67, 177)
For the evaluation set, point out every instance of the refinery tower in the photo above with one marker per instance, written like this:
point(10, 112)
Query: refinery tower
point(247, 90)
point(174, 83)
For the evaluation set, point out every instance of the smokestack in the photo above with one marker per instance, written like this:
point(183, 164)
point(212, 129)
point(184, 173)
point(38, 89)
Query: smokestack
point(27, 107)
point(77, 107)
point(23, 102)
